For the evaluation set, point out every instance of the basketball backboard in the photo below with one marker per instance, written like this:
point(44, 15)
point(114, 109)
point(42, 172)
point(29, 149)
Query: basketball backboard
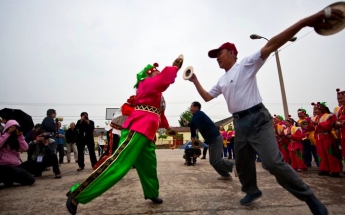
point(109, 113)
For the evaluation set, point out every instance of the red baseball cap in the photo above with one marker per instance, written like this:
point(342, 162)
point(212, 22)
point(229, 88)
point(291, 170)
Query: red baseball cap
point(229, 46)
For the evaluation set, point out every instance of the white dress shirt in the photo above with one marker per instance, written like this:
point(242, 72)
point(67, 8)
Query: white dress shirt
point(239, 86)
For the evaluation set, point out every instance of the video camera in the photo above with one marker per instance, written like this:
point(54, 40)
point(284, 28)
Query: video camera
point(19, 128)
point(46, 137)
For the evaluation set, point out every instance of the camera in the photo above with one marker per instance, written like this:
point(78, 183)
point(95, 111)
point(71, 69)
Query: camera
point(86, 117)
point(19, 128)
point(46, 137)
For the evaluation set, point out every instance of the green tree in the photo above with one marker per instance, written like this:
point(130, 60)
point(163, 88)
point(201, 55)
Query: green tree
point(186, 115)
point(162, 134)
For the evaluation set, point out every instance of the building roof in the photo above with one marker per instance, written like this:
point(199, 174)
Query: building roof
point(98, 131)
point(181, 129)
point(224, 121)
point(221, 122)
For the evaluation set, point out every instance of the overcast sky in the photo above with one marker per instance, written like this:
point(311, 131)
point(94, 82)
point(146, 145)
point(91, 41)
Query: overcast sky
point(77, 56)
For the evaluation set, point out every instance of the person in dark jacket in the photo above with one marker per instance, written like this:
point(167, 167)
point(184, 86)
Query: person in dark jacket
point(43, 155)
point(31, 136)
point(213, 138)
point(85, 129)
point(71, 140)
point(48, 123)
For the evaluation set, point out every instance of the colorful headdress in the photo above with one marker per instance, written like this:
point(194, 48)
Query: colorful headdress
point(143, 74)
point(301, 110)
point(320, 105)
point(279, 117)
point(290, 120)
point(340, 93)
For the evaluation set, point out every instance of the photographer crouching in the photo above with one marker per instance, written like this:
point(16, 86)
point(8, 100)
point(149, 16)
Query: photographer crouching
point(85, 129)
point(11, 143)
point(43, 155)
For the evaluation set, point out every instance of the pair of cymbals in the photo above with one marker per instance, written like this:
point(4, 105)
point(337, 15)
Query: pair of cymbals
point(188, 72)
point(337, 25)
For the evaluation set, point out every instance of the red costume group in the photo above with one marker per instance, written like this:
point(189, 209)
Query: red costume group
point(321, 130)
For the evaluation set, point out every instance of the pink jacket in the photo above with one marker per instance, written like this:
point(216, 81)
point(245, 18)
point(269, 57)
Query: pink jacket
point(224, 134)
point(150, 93)
point(230, 134)
point(7, 155)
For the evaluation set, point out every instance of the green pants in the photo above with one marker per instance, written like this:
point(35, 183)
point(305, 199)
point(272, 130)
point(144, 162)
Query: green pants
point(134, 149)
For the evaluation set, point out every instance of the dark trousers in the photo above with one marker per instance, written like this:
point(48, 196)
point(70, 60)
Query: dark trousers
point(61, 151)
point(92, 154)
point(36, 168)
point(15, 174)
point(191, 155)
point(254, 132)
point(314, 153)
point(225, 150)
point(257, 157)
point(204, 152)
point(232, 148)
point(309, 150)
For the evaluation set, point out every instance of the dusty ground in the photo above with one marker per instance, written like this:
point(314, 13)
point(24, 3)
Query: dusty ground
point(190, 190)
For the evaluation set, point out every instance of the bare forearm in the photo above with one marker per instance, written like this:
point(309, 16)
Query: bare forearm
point(277, 41)
point(286, 35)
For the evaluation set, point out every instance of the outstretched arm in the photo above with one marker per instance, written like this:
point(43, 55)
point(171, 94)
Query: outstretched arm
point(315, 20)
point(203, 93)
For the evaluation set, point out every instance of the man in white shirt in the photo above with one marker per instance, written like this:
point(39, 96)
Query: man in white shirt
point(253, 122)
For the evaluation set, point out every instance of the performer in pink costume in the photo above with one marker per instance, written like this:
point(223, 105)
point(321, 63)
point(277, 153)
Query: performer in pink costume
point(136, 143)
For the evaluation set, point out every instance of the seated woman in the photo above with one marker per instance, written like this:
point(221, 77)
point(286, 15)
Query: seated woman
point(11, 142)
point(42, 155)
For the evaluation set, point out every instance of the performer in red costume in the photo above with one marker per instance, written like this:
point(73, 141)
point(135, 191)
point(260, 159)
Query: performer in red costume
point(326, 147)
point(340, 121)
point(283, 141)
point(294, 134)
point(309, 150)
point(136, 143)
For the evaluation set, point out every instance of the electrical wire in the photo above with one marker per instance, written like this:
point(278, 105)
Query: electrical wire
point(299, 38)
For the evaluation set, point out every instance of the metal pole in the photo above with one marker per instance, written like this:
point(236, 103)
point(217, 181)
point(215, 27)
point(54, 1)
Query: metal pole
point(282, 87)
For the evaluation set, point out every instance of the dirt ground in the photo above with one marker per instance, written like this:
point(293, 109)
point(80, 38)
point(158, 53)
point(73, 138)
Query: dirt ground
point(190, 190)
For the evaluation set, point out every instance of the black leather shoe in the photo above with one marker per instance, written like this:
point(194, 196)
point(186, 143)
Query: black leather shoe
point(316, 207)
point(80, 169)
point(323, 173)
point(250, 198)
point(72, 208)
point(335, 175)
point(156, 200)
